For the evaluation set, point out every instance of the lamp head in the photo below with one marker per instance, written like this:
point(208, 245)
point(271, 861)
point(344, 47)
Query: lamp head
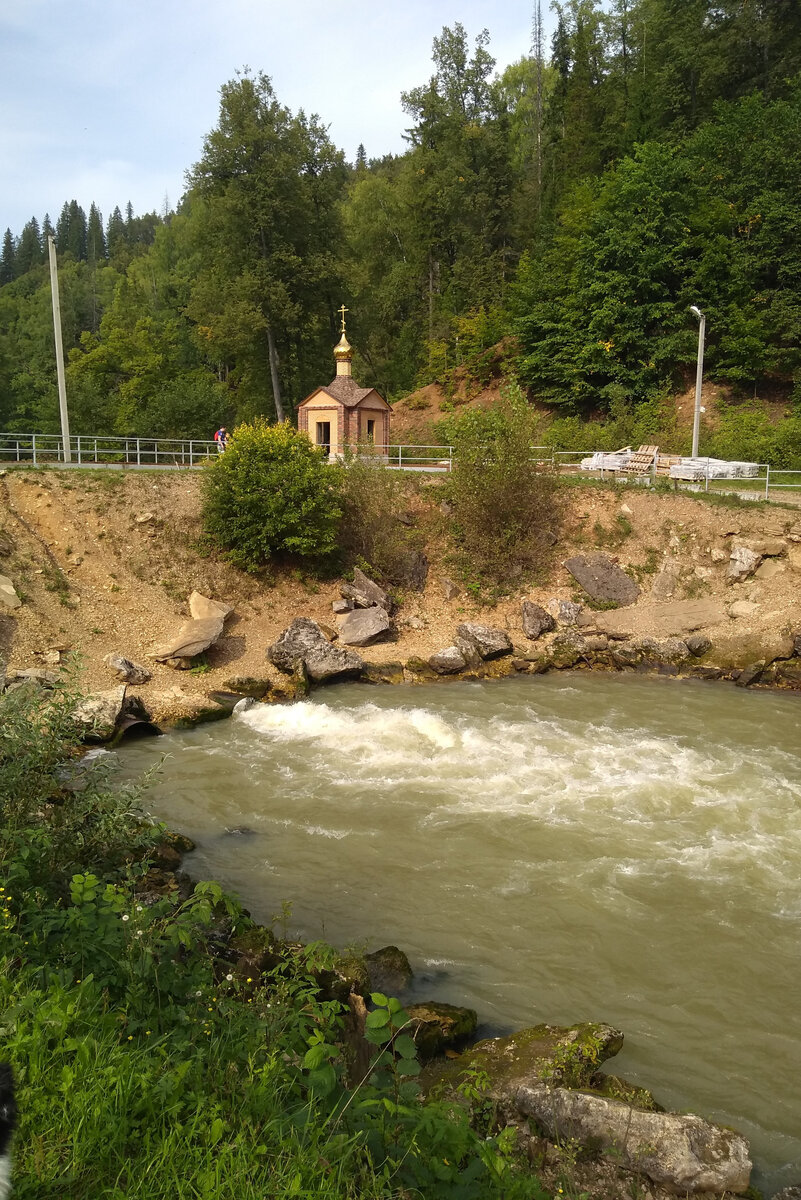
point(696, 312)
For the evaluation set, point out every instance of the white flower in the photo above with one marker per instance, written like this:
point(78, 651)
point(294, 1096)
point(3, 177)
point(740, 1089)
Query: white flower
point(139, 907)
point(125, 917)
point(198, 993)
point(229, 978)
point(139, 933)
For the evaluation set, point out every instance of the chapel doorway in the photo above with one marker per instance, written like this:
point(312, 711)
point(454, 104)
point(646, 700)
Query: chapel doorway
point(324, 436)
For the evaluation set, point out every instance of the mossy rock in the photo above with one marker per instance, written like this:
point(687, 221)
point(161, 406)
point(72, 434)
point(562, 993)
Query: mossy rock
point(420, 668)
point(438, 1027)
point(389, 971)
point(389, 672)
point(616, 1088)
point(499, 668)
point(568, 1056)
point(348, 973)
point(247, 685)
point(198, 716)
point(254, 951)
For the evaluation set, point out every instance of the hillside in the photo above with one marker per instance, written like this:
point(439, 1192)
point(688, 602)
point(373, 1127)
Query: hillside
point(104, 563)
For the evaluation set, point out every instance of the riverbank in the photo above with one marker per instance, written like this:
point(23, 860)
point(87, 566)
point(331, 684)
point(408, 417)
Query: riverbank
point(104, 565)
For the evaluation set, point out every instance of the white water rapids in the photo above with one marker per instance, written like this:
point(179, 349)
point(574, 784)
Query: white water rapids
point(555, 848)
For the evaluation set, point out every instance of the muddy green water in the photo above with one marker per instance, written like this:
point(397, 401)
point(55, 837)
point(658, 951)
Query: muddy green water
point(556, 848)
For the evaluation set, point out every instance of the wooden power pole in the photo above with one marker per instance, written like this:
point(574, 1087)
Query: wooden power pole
point(62, 385)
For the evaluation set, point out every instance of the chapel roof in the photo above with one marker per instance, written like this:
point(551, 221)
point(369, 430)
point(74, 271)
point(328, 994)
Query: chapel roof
point(346, 390)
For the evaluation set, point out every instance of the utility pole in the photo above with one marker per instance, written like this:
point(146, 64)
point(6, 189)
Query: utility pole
point(699, 375)
point(62, 386)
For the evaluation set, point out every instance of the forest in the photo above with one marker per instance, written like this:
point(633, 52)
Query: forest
point(568, 210)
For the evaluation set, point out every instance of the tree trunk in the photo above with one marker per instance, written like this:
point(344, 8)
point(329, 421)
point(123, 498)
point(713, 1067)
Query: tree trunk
point(279, 407)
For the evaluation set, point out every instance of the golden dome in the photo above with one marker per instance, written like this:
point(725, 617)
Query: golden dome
point(343, 351)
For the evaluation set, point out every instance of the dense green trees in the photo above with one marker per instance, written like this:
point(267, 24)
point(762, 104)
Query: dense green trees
point(581, 200)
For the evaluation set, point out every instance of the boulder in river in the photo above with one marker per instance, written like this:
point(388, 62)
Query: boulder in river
point(389, 970)
point(305, 645)
point(437, 1027)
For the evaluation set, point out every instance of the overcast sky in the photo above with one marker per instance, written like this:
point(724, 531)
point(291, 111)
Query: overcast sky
point(107, 101)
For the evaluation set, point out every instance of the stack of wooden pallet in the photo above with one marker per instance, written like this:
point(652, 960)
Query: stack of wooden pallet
point(641, 461)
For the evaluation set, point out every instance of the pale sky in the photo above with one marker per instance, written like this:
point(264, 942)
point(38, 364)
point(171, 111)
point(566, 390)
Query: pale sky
point(107, 101)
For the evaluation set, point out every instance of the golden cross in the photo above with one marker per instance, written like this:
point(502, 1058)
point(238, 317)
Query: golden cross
point(343, 310)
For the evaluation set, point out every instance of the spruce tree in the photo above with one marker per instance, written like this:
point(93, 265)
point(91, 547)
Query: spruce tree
point(8, 258)
point(29, 250)
point(95, 240)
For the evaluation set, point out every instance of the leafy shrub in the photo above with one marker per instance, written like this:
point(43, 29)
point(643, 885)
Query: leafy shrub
point(375, 501)
point(505, 507)
point(271, 493)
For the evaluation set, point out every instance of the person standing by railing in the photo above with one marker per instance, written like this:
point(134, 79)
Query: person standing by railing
point(221, 438)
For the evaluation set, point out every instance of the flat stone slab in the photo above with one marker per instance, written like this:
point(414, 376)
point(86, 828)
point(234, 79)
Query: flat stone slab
point(602, 579)
point(672, 619)
point(201, 608)
point(192, 638)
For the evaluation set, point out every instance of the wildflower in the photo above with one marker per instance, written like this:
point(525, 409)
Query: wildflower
point(229, 978)
point(249, 979)
point(130, 1037)
point(147, 1033)
point(125, 917)
point(139, 907)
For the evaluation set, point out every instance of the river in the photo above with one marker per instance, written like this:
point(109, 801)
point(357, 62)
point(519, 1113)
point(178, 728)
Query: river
point(554, 848)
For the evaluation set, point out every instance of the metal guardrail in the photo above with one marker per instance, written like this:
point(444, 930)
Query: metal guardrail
point(39, 449)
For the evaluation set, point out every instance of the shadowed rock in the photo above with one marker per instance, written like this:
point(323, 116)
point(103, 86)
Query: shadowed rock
point(389, 970)
point(602, 579)
point(126, 670)
point(536, 620)
point(364, 592)
point(195, 636)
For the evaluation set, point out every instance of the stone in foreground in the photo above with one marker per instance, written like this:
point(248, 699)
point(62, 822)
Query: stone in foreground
point(681, 1152)
point(389, 970)
point(97, 715)
point(437, 1027)
point(363, 626)
point(304, 645)
point(487, 642)
point(602, 579)
point(743, 562)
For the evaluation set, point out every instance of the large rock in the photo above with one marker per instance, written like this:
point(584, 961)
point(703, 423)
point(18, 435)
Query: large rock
point(448, 661)
point(672, 651)
point(681, 1152)
point(437, 1027)
point(536, 620)
point(487, 642)
point(8, 595)
point(363, 626)
point(126, 670)
point(305, 645)
point(191, 639)
point(602, 579)
point(389, 971)
point(567, 648)
point(743, 562)
point(201, 608)
point(98, 714)
point(766, 547)
point(364, 592)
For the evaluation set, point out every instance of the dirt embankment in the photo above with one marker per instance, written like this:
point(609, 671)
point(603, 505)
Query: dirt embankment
point(104, 563)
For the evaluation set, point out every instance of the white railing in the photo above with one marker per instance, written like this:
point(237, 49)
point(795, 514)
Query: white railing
point(41, 449)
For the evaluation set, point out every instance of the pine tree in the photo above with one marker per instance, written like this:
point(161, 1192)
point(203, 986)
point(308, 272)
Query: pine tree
point(29, 250)
point(8, 259)
point(95, 241)
point(361, 158)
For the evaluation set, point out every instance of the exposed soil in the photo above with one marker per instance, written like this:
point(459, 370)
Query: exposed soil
point(105, 562)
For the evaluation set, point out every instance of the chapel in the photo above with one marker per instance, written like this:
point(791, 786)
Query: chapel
point(341, 415)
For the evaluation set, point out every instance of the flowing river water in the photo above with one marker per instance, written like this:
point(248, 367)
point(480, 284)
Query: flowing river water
point(557, 848)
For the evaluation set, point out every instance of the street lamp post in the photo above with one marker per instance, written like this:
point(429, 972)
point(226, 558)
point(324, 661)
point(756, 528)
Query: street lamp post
point(699, 375)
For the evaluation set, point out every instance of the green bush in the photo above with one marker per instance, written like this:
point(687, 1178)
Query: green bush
point(375, 503)
point(505, 504)
point(271, 493)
